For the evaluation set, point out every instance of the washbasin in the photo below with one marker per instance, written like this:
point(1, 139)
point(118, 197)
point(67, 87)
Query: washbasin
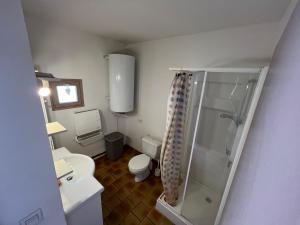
point(82, 165)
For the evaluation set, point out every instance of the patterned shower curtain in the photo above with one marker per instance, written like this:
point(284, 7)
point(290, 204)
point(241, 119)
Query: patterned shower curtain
point(173, 140)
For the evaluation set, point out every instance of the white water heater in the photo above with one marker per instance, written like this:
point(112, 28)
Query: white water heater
point(121, 82)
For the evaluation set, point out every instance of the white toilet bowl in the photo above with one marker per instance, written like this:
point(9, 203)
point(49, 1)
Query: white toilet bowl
point(139, 166)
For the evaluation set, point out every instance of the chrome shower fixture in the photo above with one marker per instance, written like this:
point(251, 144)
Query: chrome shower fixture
point(236, 119)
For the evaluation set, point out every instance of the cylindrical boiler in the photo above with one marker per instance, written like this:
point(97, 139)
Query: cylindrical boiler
point(121, 82)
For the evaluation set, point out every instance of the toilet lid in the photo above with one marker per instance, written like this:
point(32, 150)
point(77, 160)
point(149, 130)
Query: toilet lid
point(139, 162)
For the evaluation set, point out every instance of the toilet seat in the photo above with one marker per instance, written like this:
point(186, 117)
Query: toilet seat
point(139, 163)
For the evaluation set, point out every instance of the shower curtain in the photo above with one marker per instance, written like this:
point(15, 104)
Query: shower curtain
point(173, 140)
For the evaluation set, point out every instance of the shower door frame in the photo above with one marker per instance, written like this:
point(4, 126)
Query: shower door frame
point(256, 95)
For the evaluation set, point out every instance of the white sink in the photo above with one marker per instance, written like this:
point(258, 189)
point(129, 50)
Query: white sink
point(82, 165)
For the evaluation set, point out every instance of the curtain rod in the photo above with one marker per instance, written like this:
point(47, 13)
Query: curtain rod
point(217, 69)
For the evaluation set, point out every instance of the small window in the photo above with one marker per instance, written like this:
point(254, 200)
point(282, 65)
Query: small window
point(66, 94)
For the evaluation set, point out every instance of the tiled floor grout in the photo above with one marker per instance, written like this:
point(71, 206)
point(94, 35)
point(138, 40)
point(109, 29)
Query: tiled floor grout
point(125, 202)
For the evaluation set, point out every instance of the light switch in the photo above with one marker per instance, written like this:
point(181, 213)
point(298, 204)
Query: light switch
point(33, 218)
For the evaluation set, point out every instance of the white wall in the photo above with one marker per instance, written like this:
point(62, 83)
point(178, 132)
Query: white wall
point(69, 53)
point(266, 188)
point(248, 46)
point(28, 179)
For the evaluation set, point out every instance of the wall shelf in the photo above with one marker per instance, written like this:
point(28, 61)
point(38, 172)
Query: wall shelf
point(55, 128)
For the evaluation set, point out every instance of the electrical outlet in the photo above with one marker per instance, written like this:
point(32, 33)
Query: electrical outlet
point(33, 218)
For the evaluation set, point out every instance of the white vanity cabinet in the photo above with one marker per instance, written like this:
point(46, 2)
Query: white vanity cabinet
point(80, 192)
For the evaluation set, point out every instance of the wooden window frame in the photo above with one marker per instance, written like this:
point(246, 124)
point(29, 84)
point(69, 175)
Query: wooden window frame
point(54, 95)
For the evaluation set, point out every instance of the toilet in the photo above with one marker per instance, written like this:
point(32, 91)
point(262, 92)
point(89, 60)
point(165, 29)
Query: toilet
point(139, 165)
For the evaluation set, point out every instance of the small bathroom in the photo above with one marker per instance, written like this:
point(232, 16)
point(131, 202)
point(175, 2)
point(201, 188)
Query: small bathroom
point(144, 113)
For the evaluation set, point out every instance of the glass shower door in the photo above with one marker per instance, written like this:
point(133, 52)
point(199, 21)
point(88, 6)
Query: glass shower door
point(221, 113)
point(193, 105)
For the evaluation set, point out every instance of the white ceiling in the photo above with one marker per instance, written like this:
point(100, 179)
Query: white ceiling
point(140, 20)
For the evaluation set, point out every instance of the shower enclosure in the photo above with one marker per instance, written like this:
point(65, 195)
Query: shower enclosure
point(221, 107)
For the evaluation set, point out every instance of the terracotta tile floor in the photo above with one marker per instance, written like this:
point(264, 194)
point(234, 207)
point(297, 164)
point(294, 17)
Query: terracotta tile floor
point(125, 202)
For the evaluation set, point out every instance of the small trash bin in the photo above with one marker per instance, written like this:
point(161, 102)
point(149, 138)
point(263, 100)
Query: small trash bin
point(114, 145)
